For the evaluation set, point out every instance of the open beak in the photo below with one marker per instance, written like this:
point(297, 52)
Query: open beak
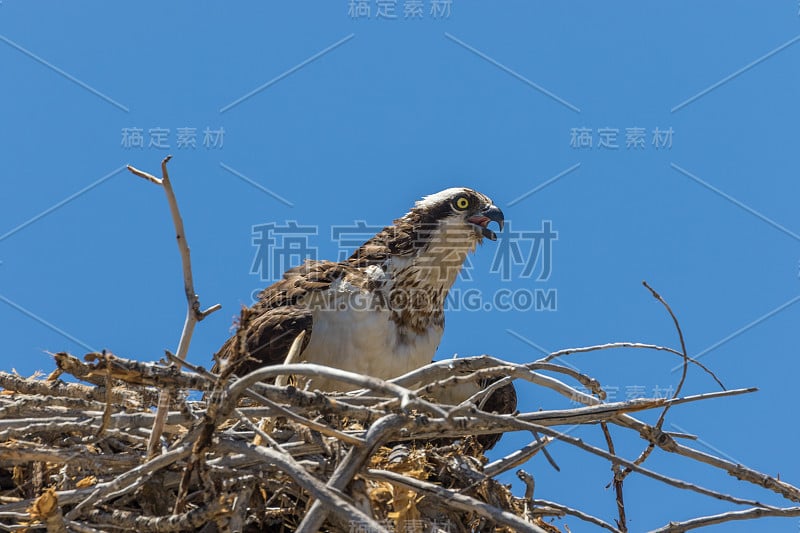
point(482, 219)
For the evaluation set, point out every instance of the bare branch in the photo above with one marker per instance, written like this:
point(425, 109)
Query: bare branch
point(516, 458)
point(347, 468)
point(456, 500)
point(193, 312)
point(576, 513)
point(747, 514)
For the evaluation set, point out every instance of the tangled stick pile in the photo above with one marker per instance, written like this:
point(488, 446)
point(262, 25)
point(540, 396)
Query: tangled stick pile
point(74, 456)
point(261, 457)
point(222, 453)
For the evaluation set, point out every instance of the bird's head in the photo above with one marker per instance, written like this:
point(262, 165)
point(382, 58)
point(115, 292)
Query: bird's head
point(418, 258)
point(434, 238)
point(458, 208)
point(428, 245)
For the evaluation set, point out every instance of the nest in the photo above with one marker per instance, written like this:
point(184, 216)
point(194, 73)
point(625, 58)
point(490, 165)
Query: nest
point(74, 456)
point(254, 456)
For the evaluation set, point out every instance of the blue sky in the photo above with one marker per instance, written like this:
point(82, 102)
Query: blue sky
point(690, 183)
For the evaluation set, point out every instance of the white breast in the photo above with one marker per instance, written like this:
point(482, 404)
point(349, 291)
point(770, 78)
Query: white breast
point(352, 335)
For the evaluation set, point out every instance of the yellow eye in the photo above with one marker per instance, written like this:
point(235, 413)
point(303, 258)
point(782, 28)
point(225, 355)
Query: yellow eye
point(462, 203)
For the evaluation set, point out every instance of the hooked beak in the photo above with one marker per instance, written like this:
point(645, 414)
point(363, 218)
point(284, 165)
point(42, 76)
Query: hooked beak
point(482, 219)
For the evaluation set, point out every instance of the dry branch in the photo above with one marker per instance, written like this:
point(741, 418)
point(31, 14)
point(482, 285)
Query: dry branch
point(746, 514)
point(455, 500)
point(193, 312)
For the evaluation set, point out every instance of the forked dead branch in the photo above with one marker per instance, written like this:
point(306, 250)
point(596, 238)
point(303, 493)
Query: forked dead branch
point(254, 453)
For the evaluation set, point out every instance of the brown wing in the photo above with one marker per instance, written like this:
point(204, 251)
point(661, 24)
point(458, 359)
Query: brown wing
point(279, 316)
point(503, 401)
point(397, 240)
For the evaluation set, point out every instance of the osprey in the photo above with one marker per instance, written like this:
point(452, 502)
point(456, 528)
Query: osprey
point(381, 311)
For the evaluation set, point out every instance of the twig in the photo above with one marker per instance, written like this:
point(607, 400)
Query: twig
point(457, 426)
point(684, 370)
point(19, 452)
point(189, 521)
point(129, 480)
point(279, 410)
point(241, 505)
point(684, 352)
point(746, 514)
point(741, 472)
point(25, 405)
point(347, 468)
point(455, 500)
point(333, 499)
point(263, 435)
point(404, 397)
point(530, 484)
point(527, 426)
point(141, 373)
point(193, 313)
point(576, 513)
point(69, 390)
point(516, 458)
point(109, 407)
point(618, 480)
point(442, 369)
point(635, 345)
point(589, 382)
